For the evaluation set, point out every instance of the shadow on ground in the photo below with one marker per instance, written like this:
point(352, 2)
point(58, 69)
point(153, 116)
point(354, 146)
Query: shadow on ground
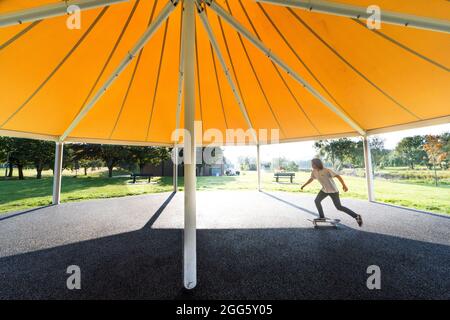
point(283, 263)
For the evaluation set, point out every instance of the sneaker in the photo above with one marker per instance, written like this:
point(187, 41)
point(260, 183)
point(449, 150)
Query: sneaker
point(359, 220)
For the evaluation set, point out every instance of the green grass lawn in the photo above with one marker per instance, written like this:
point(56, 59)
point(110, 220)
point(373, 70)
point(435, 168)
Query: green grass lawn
point(29, 193)
point(420, 175)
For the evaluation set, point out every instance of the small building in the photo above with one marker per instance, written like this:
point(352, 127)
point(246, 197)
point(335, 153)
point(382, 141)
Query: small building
point(165, 168)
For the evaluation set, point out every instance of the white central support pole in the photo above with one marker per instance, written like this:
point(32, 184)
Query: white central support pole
point(57, 172)
point(368, 166)
point(175, 169)
point(190, 245)
point(258, 166)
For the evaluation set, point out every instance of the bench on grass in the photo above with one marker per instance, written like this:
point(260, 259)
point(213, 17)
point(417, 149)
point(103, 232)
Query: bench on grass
point(281, 175)
point(139, 175)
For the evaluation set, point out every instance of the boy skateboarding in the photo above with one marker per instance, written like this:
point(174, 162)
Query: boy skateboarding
point(325, 177)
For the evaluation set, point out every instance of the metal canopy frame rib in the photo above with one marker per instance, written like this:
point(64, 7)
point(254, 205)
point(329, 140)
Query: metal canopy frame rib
point(158, 77)
point(357, 12)
point(57, 67)
point(225, 69)
point(255, 41)
point(351, 66)
point(150, 31)
point(297, 102)
point(51, 10)
point(19, 34)
point(130, 84)
point(257, 77)
point(219, 89)
point(402, 46)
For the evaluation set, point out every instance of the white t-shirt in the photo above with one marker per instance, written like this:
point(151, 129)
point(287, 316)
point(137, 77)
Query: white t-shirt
point(325, 177)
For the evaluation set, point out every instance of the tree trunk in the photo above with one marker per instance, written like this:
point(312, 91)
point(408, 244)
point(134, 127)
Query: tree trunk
point(20, 168)
point(435, 176)
point(39, 168)
point(11, 170)
point(85, 171)
point(110, 171)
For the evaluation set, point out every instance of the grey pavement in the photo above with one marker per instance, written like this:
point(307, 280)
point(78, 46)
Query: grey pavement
point(251, 245)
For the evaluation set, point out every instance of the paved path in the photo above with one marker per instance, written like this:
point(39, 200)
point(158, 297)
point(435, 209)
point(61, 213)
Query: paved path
point(250, 245)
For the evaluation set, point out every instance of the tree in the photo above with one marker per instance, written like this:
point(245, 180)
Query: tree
point(89, 164)
point(445, 138)
point(338, 151)
point(82, 154)
point(247, 163)
point(434, 148)
point(6, 145)
point(24, 152)
point(378, 152)
point(411, 150)
point(92, 155)
point(41, 155)
point(148, 155)
point(18, 154)
point(112, 155)
point(292, 166)
point(282, 164)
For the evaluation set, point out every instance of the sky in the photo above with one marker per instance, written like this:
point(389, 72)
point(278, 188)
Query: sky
point(305, 150)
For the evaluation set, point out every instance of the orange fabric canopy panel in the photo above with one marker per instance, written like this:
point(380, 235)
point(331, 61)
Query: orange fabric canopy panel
point(380, 79)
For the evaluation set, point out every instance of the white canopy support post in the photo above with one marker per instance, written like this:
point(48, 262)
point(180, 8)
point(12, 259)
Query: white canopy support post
point(358, 12)
point(175, 169)
point(178, 112)
point(146, 36)
point(258, 166)
point(235, 24)
point(57, 172)
point(368, 166)
point(190, 241)
point(226, 70)
point(51, 10)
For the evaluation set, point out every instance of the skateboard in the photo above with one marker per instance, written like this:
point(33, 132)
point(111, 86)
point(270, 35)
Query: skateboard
point(325, 223)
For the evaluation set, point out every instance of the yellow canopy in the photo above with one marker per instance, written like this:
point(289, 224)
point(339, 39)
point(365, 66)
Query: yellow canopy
point(377, 80)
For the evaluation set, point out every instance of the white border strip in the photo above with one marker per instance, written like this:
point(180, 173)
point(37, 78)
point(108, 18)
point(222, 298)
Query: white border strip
point(27, 135)
point(411, 125)
point(407, 126)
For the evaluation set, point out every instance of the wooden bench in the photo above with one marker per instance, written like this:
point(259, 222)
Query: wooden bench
point(281, 175)
point(138, 175)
